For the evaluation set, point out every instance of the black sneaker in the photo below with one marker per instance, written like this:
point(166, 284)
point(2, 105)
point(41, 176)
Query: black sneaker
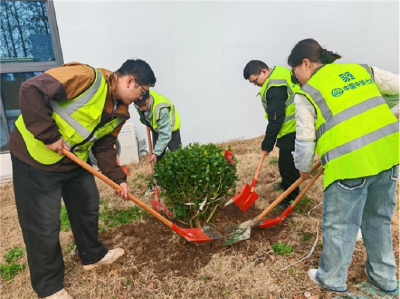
point(284, 204)
point(278, 186)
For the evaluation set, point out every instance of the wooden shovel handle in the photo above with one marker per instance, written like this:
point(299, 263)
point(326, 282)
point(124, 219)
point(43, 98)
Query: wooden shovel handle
point(152, 163)
point(283, 195)
point(308, 186)
point(116, 186)
point(150, 147)
point(258, 171)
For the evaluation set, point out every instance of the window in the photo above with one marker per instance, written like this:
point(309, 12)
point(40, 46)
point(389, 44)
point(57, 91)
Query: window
point(29, 45)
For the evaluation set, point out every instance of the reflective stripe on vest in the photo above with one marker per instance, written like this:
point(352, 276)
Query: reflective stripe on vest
point(76, 120)
point(357, 135)
point(275, 79)
point(66, 112)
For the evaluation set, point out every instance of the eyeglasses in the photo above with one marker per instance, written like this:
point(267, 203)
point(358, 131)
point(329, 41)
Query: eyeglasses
point(293, 76)
point(145, 91)
point(255, 80)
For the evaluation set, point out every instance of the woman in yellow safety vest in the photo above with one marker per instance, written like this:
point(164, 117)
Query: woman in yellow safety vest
point(342, 116)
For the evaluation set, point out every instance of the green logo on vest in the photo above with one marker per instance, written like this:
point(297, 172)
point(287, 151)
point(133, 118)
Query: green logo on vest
point(346, 77)
point(337, 92)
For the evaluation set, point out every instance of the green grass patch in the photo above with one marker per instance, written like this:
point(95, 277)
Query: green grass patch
point(277, 208)
point(302, 205)
point(70, 247)
point(112, 218)
point(13, 254)
point(65, 225)
point(282, 248)
point(8, 272)
point(305, 237)
point(273, 161)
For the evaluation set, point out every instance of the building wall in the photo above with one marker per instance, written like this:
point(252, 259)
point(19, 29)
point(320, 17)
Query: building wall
point(198, 49)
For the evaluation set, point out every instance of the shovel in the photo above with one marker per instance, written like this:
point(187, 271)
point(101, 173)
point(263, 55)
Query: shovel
point(195, 235)
point(246, 196)
point(157, 204)
point(277, 220)
point(240, 232)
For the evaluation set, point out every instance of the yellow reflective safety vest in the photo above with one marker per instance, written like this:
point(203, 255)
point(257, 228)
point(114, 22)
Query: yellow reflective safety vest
point(281, 76)
point(78, 121)
point(357, 134)
point(160, 102)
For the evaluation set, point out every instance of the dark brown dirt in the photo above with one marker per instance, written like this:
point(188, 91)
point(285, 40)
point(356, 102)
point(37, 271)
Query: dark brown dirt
point(152, 243)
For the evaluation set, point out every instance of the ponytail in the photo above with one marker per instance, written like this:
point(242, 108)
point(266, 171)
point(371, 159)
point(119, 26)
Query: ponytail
point(328, 56)
point(310, 49)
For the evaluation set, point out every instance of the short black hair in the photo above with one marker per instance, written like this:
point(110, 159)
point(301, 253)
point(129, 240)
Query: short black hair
point(143, 100)
point(254, 67)
point(140, 70)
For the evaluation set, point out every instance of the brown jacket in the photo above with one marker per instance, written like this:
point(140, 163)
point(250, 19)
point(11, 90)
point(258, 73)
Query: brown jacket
point(63, 84)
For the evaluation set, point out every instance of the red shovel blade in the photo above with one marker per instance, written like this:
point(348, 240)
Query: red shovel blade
point(241, 197)
point(275, 221)
point(197, 235)
point(156, 205)
point(160, 206)
point(248, 202)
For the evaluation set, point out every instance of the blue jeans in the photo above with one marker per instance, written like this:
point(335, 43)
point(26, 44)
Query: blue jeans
point(348, 205)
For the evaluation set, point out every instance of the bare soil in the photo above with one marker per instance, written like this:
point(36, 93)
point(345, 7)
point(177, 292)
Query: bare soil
point(158, 263)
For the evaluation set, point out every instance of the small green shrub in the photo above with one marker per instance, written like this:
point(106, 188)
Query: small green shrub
point(282, 248)
point(9, 271)
point(65, 225)
point(195, 180)
point(14, 254)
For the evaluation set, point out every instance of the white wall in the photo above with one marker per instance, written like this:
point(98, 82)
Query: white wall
point(198, 50)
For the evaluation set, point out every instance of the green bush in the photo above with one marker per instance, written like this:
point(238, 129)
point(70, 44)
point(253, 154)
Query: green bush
point(195, 180)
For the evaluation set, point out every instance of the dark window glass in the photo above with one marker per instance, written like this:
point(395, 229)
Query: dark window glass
point(25, 32)
point(10, 84)
point(3, 136)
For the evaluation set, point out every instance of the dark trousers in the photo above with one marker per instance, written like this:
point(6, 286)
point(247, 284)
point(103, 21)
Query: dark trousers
point(288, 171)
point(38, 199)
point(172, 145)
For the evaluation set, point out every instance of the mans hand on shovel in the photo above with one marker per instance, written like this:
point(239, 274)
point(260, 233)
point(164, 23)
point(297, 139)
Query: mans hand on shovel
point(266, 153)
point(305, 175)
point(58, 147)
point(153, 158)
point(123, 193)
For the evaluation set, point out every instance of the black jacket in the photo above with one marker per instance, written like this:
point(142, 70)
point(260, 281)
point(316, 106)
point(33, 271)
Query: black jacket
point(276, 98)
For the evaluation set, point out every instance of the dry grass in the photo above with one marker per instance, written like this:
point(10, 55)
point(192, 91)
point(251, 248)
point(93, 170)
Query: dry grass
point(229, 274)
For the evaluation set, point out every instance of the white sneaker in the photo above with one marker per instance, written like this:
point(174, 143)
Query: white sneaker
point(311, 274)
point(109, 258)
point(63, 294)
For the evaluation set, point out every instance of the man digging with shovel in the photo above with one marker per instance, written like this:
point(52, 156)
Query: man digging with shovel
point(277, 92)
point(161, 116)
point(70, 109)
